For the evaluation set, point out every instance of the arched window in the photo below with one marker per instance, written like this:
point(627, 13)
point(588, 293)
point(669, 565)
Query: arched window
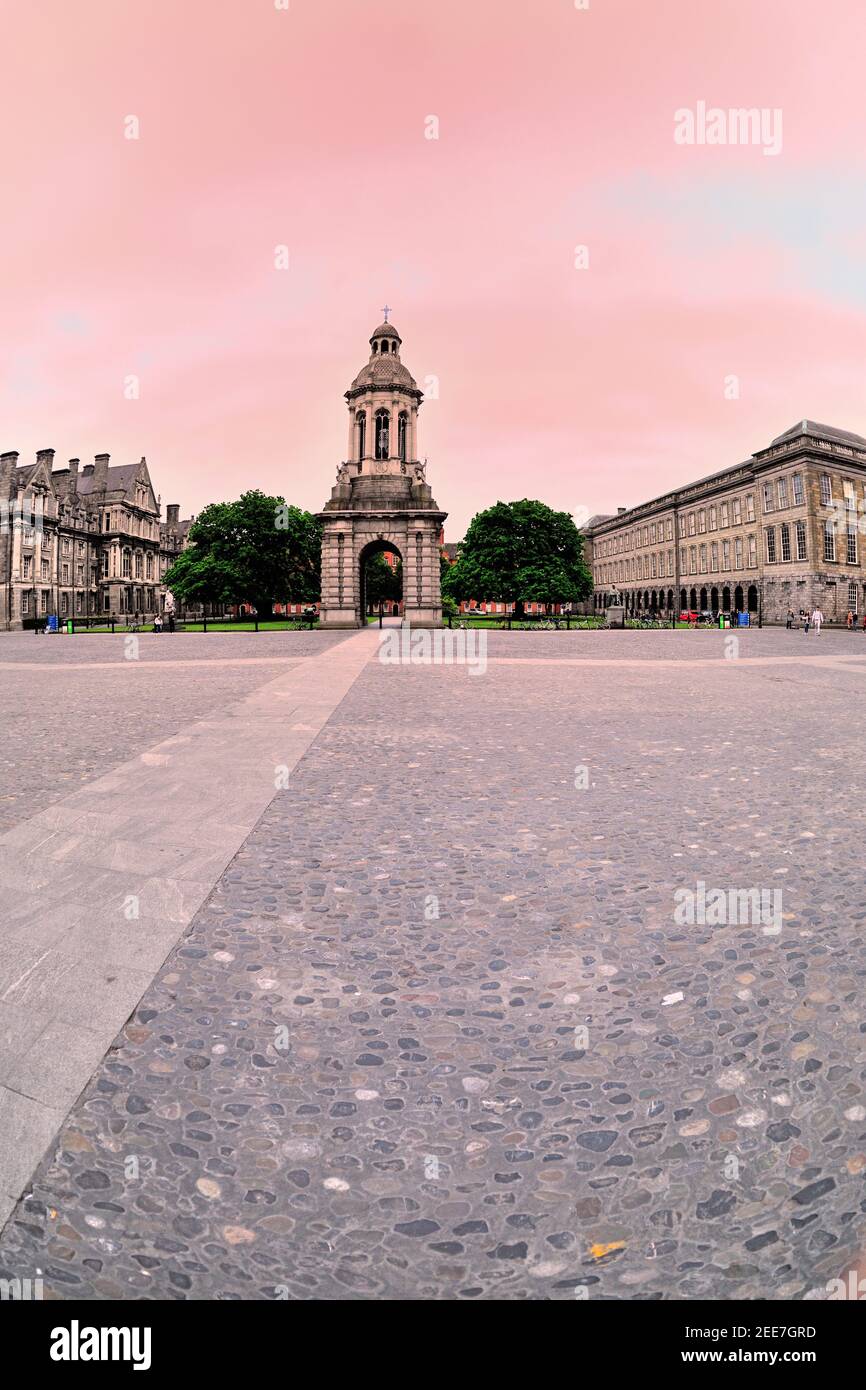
point(361, 418)
point(402, 426)
point(382, 422)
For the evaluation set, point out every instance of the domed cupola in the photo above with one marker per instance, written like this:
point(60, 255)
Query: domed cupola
point(383, 405)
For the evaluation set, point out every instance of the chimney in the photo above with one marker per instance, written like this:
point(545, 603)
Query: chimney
point(620, 510)
point(73, 474)
point(8, 465)
point(100, 472)
point(46, 456)
point(87, 471)
point(172, 514)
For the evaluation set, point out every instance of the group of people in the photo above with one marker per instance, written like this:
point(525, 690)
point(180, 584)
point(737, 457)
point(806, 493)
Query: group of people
point(815, 619)
point(168, 625)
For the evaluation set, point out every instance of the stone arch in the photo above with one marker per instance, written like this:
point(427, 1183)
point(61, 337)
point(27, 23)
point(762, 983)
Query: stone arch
point(381, 545)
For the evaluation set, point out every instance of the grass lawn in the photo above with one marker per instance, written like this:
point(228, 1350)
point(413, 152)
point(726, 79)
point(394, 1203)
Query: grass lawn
point(213, 625)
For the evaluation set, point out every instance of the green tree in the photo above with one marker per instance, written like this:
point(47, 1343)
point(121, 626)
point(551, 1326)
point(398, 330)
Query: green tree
point(381, 582)
point(257, 550)
point(515, 552)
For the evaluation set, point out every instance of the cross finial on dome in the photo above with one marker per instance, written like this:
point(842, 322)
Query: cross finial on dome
point(386, 311)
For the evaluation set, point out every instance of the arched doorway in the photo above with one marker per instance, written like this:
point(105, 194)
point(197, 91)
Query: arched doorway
point(714, 599)
point(753, 599)
point(738, 599)
point(703, 600)
point(726, 600)
point(670, 600)
point(380, 579)
point(683, 600)
point(693, 599)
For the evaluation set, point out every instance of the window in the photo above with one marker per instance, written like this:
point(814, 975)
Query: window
point(653, 566)
point(125, 567)
point(683, 559)
point(43, 601)
point(768, 497)
point(738, 553)
point(737, 509)
point(28, 566)
point(402, 432)
point(851, 549)
point(797, 482)
point(750, 506)
point(702, 521)
point(801, 540)
point(714, 555)
point(852, 597)
point(382, 422)
point(79, 574)
point(713, 518)
point(770, 534)
point(829, 541)
point(670, 562)
point(782, 491)
point(693, 560)
point(669, 532)
point(826, 489)
point(65, 574)
point(25, 603)
point(44, 570)
point(703, 559)
point(361, 418)
point(753, 552)
point(653, 533)
point(785, 541)
point(103, 560)
point(138, 564)
point(723, 515)
point(150, 564)
point(726, 555)
point(691, 523)
point(64, 604)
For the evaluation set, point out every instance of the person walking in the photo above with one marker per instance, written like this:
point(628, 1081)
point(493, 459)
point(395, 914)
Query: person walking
point(849, 620)
point(817, 619)
point(790, 621)
point(805, 621)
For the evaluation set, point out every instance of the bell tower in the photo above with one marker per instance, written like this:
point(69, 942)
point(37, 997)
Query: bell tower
point(381, 499)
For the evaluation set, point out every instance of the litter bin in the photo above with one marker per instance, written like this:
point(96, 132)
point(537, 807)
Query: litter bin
point(68, 627)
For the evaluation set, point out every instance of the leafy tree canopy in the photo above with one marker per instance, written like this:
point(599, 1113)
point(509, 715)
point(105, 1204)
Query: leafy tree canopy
point(516, 552)
point(257, 550)
point(381, 582)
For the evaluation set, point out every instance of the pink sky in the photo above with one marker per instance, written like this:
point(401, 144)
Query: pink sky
point(259, 127)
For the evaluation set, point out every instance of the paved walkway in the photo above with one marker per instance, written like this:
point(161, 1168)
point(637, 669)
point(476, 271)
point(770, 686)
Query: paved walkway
point(98, 888)
point(439, 1031)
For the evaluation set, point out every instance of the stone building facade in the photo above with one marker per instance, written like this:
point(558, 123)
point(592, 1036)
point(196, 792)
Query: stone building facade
point(783, 530)
point(381, 501)
point(79, 542)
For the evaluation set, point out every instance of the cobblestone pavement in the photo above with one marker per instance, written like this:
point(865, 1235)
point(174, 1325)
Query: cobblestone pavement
point(104, 707)
point(438, 1032)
